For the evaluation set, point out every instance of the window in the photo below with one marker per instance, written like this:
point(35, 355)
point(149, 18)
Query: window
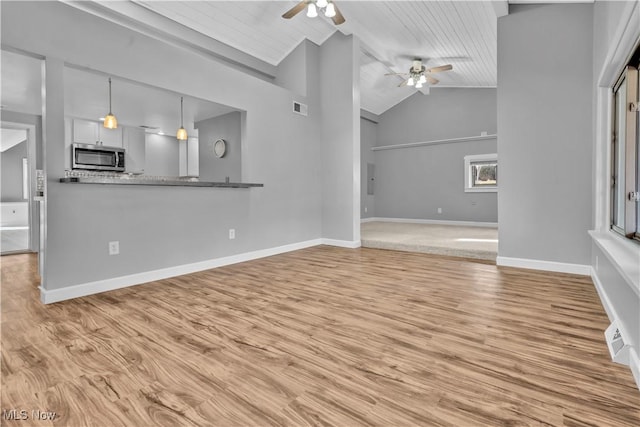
point(481, 173)
point(625, 156)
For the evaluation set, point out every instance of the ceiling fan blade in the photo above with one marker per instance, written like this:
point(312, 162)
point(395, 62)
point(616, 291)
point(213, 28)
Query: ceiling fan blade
point(440, 68)
point(396, 74)
point(338, 19)
point(295, 10)
point(432, 81)
point(404, 83)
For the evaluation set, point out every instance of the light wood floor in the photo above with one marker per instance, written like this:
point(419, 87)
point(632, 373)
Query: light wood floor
point(322, 336)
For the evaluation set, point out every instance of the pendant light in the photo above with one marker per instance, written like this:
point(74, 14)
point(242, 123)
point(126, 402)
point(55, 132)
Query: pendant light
point(110, 121)
point(182, 132)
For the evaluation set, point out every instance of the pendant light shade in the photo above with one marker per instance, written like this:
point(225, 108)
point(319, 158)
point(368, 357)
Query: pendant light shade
point(181, 135)
point(110, 121)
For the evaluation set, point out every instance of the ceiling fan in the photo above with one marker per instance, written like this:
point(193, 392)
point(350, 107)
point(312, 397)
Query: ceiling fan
point(327, 6)
point(418, 74)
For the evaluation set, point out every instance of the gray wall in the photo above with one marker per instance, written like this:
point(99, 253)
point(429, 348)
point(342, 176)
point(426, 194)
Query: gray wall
point(340, 110)
point(225, 127)
point(444, 113)
point(545, 132)
point(12, 172)
point(163, 227)
point(413, 183)
point(368, 138)
point(161, 155)
point(291, 72)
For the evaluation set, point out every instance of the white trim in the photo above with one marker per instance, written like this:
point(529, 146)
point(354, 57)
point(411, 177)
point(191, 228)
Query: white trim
point(432, 221)
point(341, 243)
point(436, 142)
point(604, 298)
point(55, 295)
point(534, 264)
point(634, 364)
point(624, 255)
point(76, 291)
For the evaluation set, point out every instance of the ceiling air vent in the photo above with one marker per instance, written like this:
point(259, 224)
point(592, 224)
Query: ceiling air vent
point(300, 108)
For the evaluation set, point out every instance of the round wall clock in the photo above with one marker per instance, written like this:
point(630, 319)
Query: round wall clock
point(219, 148)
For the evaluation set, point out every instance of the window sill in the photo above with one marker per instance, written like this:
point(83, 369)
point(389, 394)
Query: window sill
point(623, 254)
point(480, 190)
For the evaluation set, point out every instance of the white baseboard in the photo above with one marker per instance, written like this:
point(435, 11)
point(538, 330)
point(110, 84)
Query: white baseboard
point(534, 264)
point(634, 364)
point(55, 295)
point(341, 243)
point(432, 221)
point(604, 298)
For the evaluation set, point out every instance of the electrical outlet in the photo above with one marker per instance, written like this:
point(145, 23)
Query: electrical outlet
point(365, 209)
point(596, 262)
point(114, 248)
point(439, 210)
point(232, 233)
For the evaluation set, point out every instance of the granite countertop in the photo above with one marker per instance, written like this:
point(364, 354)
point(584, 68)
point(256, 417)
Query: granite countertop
point(155, 181)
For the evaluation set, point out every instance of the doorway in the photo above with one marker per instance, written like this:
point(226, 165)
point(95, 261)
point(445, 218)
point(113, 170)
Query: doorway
point(16, 157)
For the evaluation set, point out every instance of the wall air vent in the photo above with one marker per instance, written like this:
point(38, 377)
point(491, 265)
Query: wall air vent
point(300, 108)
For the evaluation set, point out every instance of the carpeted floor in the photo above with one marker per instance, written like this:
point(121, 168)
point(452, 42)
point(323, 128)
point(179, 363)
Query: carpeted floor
point(451, 240)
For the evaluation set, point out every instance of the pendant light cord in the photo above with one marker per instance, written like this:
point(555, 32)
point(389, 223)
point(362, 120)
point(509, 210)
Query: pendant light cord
point(181, 113)
point(109, 95)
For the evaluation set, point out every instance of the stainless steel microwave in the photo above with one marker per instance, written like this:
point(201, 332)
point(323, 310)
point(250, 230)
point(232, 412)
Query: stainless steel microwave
point(97, 157)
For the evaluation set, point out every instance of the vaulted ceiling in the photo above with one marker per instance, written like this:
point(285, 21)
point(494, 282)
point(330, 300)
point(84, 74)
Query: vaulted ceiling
point(461, 33)
point(252, 36)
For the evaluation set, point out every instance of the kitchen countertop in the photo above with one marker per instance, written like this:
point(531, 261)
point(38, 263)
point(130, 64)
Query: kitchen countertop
point(169, 181)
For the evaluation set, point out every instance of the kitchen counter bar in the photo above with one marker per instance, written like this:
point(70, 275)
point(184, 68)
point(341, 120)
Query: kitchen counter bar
point(156, 182)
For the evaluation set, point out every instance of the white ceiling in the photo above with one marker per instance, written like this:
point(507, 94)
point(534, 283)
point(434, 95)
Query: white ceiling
point(462, 33)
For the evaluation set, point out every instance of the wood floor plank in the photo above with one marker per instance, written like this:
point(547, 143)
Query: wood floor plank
point(318, 337)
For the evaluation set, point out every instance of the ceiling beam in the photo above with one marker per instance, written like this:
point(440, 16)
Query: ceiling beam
point(145, 21)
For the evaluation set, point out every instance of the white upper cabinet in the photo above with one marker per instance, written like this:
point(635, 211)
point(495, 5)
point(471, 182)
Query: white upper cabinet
point(85, 132)
point(188, 152)
point(88, 132)
point(135, 151)
point(110, 137)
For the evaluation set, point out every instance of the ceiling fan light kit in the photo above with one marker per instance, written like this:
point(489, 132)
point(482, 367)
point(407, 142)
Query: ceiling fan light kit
point(314, 7)
point(312, 11)
point(419, 75)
